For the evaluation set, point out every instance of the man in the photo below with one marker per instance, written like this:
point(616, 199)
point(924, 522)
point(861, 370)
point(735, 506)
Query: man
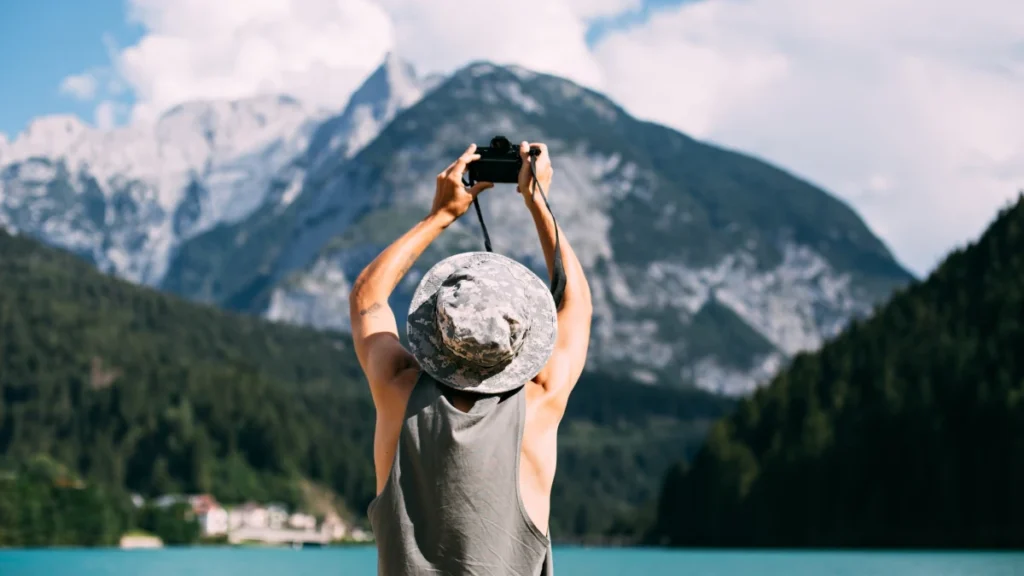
point(467, 421)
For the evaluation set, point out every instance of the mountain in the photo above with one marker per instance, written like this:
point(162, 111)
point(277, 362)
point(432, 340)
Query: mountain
point(126, 198)
point(137, 390)
point(391, 88)
point(905, 431)
point(708, 267)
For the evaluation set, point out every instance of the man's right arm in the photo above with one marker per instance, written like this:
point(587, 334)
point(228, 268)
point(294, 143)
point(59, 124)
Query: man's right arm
point(559, 375)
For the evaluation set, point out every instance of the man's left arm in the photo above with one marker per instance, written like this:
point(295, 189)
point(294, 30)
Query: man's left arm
point(374, 328)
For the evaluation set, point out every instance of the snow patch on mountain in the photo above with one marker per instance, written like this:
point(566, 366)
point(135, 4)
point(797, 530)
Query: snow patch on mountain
point(795, 305)
point(708, 374)
point(234, 148)
point(320, 294)
point(223, 143)
point(292, 179)
point(45, 135)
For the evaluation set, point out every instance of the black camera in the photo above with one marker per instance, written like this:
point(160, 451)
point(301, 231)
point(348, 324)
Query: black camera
point(499, 163)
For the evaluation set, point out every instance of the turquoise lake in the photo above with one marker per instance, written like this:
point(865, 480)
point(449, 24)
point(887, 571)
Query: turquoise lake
point(568, 562)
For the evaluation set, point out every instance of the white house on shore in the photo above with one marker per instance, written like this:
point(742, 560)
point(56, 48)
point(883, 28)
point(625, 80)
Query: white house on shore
point(277, 516)
point(212, 517)
point(256, 521)
point(300, 521)
point(255, 516)
point(333, 527)
point(214, 522)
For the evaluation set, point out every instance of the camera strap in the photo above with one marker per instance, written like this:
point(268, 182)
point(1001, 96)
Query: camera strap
point(558, 278)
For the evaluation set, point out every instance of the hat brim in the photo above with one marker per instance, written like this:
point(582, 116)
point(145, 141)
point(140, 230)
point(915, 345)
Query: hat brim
point(435, 359)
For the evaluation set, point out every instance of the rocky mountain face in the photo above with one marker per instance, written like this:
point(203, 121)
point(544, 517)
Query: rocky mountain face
point(126, 198)
point(707, 267)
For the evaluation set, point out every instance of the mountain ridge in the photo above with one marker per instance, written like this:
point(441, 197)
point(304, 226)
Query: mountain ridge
point(126, 197)
point(664, 224)
point(381, 190)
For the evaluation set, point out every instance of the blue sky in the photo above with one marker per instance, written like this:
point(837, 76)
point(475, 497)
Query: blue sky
point(48, 40)
point(45, 41)
point(633, 17)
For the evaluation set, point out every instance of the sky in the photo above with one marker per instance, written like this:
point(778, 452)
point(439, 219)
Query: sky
point(44, 42)
point(911, 111)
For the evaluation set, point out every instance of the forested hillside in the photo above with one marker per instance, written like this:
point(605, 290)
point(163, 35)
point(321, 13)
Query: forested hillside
point(136, 390)
point(907, 430)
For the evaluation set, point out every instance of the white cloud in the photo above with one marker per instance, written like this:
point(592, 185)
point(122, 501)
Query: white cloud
point(594, 9)
point(442, 35)
point(105, 115)
point(908, 109)
point(318, 50)
point(81, 86)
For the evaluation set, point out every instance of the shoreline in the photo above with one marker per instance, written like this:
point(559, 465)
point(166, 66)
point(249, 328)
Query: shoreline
point(566, 546)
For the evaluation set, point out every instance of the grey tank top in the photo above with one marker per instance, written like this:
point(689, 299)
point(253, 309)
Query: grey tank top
point(451, 504)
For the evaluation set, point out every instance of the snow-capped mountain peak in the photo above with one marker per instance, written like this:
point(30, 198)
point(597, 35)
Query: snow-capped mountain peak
point(403, 85)
point(391, 88)
point(233, 148)
point(46, 135)
point(233, 127)
point(126, 197)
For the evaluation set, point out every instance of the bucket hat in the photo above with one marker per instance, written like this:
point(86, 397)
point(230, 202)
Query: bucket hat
point(482, 322)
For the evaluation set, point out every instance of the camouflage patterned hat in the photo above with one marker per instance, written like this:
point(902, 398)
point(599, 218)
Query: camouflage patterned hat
point(482, 322)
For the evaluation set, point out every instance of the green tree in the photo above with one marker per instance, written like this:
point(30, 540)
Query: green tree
point(907, 430)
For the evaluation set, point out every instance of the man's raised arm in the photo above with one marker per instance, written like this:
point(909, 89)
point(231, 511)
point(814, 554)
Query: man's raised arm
point(374, 329)
point(562, 371)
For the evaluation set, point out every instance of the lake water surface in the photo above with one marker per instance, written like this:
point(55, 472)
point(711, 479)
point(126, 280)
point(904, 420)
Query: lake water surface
point(568, 562)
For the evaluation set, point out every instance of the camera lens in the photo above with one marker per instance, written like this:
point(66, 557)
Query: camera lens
point(500, 143)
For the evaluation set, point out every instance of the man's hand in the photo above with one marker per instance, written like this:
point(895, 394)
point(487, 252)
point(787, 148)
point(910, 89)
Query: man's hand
point(452, 199)
point(544, 173)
